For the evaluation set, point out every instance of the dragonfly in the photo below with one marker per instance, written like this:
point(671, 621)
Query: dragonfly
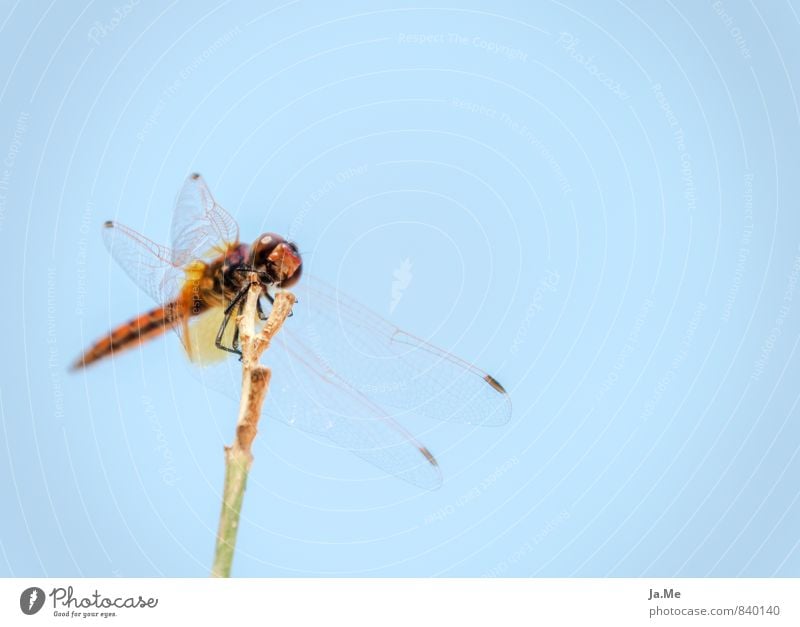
point(339, 370)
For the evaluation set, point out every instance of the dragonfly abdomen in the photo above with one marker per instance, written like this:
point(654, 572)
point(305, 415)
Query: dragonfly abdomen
point(140, 329)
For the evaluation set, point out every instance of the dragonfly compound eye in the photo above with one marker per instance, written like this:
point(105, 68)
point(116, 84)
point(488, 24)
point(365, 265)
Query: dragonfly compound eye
point(278, 258)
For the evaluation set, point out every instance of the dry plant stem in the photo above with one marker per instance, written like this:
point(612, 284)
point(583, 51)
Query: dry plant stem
point(255, 381)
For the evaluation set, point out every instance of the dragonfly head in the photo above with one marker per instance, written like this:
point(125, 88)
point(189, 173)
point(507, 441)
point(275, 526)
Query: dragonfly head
point(278, 259)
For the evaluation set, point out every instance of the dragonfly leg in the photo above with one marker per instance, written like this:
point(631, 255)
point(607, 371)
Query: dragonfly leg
point(235, 340)
point(261, 314)
point(236, 299)
point(226, 320)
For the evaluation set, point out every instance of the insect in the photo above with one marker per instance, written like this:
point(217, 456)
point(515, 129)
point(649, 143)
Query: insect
point(339, 370)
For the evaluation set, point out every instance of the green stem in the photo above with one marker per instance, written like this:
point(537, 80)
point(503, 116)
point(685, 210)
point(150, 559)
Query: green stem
point(237, 467)
point(255, 382)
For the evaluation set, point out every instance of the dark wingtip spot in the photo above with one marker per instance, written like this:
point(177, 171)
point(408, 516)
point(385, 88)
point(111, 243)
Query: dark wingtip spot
point(108, 224)
point(429, 456)
point(495, 384)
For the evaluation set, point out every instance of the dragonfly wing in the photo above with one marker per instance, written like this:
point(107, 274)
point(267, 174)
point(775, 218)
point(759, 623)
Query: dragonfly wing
point(392, 366)
point(200, 227)
point(307, 394)
point(148, 264)
point(336, 364)
point(304, 393)
point(152, 268)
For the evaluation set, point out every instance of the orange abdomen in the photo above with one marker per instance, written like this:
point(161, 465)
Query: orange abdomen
point(145, 327)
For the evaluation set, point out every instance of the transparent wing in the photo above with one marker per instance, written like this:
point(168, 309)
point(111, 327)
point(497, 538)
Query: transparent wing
point(304, 393)
point(201, 229)
point(337, 367)
point(388, 364)
point(148, 264)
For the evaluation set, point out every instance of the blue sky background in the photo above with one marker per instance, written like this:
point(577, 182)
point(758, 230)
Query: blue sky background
point(598, 203)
